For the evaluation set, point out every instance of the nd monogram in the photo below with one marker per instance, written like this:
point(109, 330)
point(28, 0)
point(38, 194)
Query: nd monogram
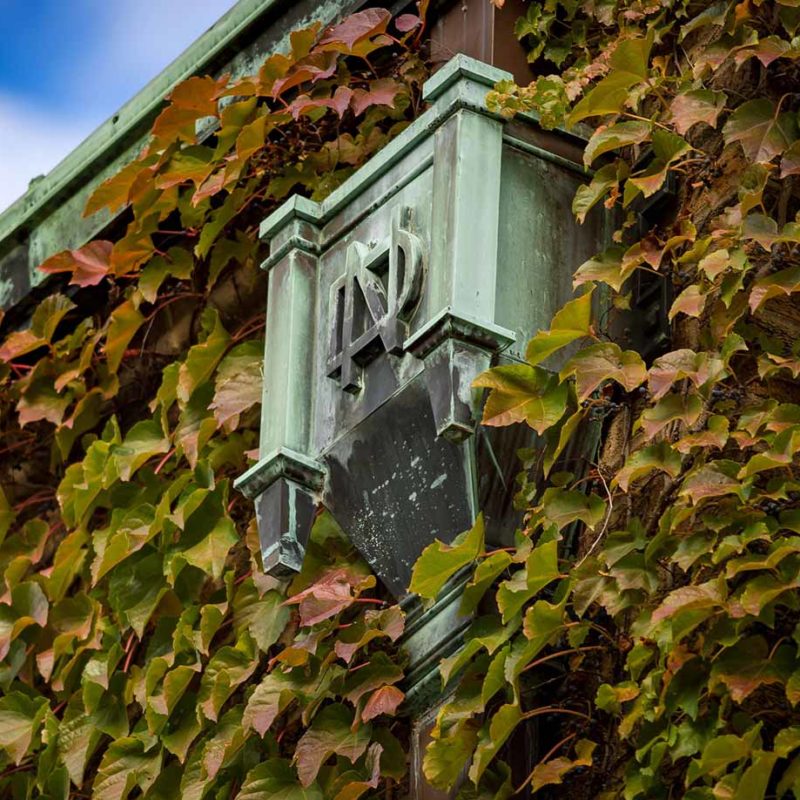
point(372, 303)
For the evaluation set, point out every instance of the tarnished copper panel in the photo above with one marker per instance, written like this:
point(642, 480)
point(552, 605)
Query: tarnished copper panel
point(478, 29)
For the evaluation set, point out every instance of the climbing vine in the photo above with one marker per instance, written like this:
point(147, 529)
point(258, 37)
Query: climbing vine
point(644, 627)
point(142, 650)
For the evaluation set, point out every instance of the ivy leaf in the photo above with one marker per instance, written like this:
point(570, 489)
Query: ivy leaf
point(384, 700)
point(114, 192)
point(446, 755)
point(699, 368)
point(522, 393)
point(41, 401)
point(628, 65)
point(78, 736)
point(685, 408)
point(136, 588)
point(211, 552)
point(177, 263)
point(541, 568)
point(357, 27)
point(143, 441)
point(562, 507)
point(264, 618)
point(330, 733)
point(552, 772)
point(388, 623)
point(277, 780)
point(238, 383)
point(598, 363)
point(485, 633)
point(493, 737)
point(698, 105)
point(228, 739)
point(483, 577)
point(691, 302)
point(20, 720)
point(88, 265)
point(613, 137)
point(658, 456)
point(754, 781)
point(708, 595)
point(331, 594)
point(20, 343)
point(125, 321)
point(571, 322)
point(268, 699)
point(605, 179)
point(381, 92)
point(607, 267)
point(379, 670)
point(227, 669)
point(439, 562)
point(667, 148)
point(48, 314)
point(761, 130)
point(790, 162)
point(782, 283)
point(202, 358)
point(127, 763)
point(715, 479)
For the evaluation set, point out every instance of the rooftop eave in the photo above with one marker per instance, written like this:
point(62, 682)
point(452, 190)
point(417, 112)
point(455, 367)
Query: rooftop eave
point(237, 43)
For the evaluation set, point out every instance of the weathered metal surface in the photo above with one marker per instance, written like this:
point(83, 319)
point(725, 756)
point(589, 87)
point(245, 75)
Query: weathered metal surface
point(454, 243)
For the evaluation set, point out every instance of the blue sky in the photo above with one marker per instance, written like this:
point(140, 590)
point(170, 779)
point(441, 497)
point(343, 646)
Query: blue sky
point(67, 65)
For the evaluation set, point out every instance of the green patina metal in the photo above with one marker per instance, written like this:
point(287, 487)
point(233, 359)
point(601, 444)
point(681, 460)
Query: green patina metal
point(443, 254)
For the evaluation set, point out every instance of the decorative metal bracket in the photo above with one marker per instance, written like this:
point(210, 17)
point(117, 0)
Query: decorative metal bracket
point(371, 305)
point(285, 487)
point(455, 349)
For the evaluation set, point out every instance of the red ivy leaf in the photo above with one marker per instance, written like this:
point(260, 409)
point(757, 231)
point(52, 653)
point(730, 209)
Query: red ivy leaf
point(381, 93)
point(382, 701)
point(357, 27)
point(88, 265)
point(407, 22)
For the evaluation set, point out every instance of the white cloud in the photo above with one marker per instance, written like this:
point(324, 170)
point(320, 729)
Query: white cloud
point(127, 43)
point(33, 142)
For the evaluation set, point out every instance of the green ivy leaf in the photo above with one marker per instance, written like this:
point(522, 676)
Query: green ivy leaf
point(658, 456)
point(541, 568)
point(127, 763)
point(238, 383)
point(552, 772)
point(613, 137)
point(331, 732)
point(20, 720)
point(276, 779)
point(202, 358)
point(573, 321)
point(439, 562)
point(761, 129)
point(124, 322)
point(492, 737)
